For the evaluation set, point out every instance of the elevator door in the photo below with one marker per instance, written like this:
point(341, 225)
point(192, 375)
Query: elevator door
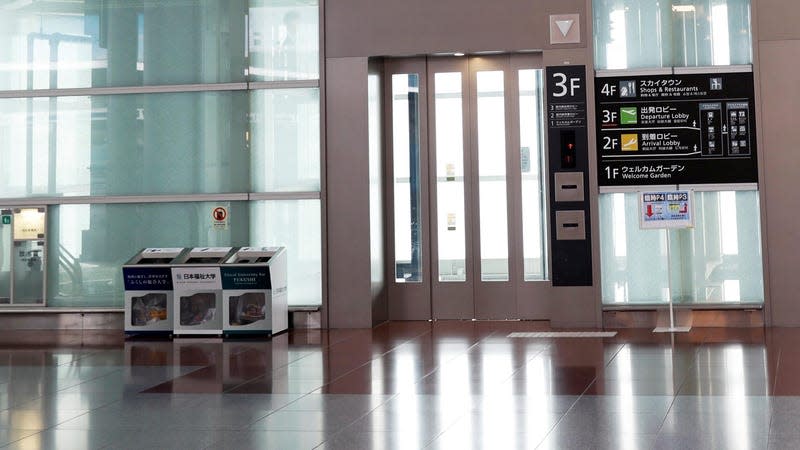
point(465, 140)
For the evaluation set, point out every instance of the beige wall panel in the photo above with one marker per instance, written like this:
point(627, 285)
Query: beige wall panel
point(412, 27)
point(778, 19)
point(780, 108)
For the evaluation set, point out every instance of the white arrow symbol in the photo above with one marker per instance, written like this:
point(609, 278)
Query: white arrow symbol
point(694, 123)
point(564, 26)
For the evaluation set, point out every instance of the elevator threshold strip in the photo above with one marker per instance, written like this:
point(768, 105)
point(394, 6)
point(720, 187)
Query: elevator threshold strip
point(565, 334)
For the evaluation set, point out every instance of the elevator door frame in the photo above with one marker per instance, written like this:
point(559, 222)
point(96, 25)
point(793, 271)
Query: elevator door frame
point(473, 298)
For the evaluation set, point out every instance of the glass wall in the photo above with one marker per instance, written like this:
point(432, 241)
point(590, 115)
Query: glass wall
point(717, 261)
point(632, 34)
point(294, 224)
point(150, 137)
point(89, 243)
point(86, 43)
point(174, 143)
point(284, 140)
point(284, 40)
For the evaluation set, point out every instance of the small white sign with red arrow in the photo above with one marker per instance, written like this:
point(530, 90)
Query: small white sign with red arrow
point(666, 209)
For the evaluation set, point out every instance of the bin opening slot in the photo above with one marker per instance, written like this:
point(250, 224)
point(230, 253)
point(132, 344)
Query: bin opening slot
point(203, 260)
point(263, 259)
point(154, 261)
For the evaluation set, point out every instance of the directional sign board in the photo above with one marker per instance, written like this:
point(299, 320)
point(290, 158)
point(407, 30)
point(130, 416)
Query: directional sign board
point(676, 129)
point(666, 209)
point(568, 161)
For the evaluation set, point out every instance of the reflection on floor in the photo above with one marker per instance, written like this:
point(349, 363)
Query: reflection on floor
point(403, 385)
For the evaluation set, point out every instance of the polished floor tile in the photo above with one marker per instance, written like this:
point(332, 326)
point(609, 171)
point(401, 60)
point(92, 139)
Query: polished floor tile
point(405, 385)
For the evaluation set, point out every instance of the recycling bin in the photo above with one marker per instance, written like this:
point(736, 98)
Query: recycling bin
point(198, 290)
point(149, 291)
point(254, 291)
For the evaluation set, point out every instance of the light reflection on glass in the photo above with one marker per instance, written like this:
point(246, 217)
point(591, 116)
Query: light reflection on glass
point(719, 35)
point(616, 49)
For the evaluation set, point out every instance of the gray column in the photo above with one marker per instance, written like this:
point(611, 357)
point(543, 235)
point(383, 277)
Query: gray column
point(349, 287)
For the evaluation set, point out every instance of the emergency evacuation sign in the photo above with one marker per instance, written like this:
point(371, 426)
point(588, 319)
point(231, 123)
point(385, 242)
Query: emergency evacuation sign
point(670, 209)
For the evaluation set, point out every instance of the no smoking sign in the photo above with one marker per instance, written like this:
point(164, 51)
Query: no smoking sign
point(219, 217)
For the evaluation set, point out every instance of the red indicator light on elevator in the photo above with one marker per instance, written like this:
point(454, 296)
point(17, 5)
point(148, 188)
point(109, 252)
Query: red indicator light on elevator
point(568, 149)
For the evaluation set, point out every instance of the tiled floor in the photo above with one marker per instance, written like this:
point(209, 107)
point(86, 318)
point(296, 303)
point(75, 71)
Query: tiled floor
point(404, 385)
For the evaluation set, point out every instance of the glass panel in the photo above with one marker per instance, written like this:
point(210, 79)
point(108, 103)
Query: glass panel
point(28, 272)
point(720, 259)
point(644, 33)
point(86, 43)
point(182, 143)
point(285, 140)
point(376, 164)
point(717, 261)
point(407, 202)
point(296, 225)
point(492, 176)
point(450, 177)
point(633, 261)
point(5, 256)
point(284, 40)
point(89, 243)
point(531, 126)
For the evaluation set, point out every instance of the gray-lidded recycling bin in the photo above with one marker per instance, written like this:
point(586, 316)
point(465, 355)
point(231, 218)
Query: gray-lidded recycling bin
point(254, 291)
point(197, 283)
point(149, 292)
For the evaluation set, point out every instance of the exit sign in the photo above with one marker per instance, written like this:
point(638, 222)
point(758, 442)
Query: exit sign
point(6, 220)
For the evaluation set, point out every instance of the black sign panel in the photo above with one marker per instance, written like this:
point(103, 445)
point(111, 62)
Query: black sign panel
point(568, 144)
point(566, 96)
point(676, 129)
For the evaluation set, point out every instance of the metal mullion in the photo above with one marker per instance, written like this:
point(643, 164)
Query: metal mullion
point(470, 182)
point(514, 176)
point(82, 200)
point(160, 89)
point(307, 195)
point(474, 183)
point(432, 180)
point(298, 84)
